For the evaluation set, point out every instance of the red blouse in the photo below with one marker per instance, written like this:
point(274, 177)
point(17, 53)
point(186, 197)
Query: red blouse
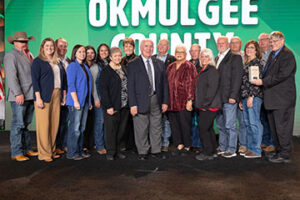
point(181, 85)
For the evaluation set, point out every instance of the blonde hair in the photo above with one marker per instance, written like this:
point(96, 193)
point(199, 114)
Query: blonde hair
point(42, 55)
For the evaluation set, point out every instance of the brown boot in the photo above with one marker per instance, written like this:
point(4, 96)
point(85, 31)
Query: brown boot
point(32, 153)
point(20, 158)
point(269, 148)
point(59, 151)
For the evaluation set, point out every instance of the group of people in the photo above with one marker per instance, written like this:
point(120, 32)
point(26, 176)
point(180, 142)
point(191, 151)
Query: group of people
point(135, 102)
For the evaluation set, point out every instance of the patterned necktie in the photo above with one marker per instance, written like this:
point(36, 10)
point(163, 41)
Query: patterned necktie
point(149, 72)
point(216, 59)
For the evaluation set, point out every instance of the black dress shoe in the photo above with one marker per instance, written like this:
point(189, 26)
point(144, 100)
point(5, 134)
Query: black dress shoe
point(270, 154)
point(203, 157)
point(110, 157)
point(142, 157)
point(279, 159)
point(176, 152)
point(159, 156)
point(121, 156)
point(184, 152)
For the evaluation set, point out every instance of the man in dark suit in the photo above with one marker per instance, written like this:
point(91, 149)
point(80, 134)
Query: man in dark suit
point(148, 99)
point(163, 48)
point(61, 138)
point(230, 67)
point(195, 53)
point(196, 143)
point(280, 96)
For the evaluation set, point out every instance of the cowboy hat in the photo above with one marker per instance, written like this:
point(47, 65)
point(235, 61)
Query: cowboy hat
point(19, 36)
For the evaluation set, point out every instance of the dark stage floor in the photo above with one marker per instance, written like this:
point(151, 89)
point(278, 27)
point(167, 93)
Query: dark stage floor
point(177, 178)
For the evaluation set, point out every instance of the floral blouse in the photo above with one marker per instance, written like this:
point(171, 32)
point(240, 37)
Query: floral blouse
point(248, 89)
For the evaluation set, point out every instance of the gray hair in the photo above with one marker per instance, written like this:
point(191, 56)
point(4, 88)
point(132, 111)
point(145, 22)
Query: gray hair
point(146, 40)
point(196, 45)
point(276, 34)
point(263, 34)
point(236, 37)
point(115, 50)
point(208, 52)
point(180, 46)
point(223, 37)
point(162, 40)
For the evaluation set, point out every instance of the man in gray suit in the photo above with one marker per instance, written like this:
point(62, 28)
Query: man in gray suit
point(148, 99)
point(17, 65)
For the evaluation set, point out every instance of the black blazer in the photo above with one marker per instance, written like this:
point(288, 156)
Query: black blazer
point(139, 89)
point(168, 60)
point(109, 85)
point(279, 81)
point(207, 93)
point(43, 79)
point(197, 65)
point(231, 72)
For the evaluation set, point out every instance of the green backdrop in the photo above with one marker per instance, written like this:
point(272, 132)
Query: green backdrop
point(70, 19)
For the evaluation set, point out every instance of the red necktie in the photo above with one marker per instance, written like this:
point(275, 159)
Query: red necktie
point(28, 55)
point(1, 87)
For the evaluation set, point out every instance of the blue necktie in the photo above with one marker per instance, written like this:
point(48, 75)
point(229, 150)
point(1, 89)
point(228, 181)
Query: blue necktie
point(268, 63)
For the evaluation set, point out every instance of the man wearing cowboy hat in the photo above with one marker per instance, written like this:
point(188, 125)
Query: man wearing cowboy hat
point(17, 65)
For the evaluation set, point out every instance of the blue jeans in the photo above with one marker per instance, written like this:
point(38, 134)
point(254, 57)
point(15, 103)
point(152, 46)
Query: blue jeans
point(166, 131)
point(20, 140)
point(75, 130)
point(267, 138)
point(226, 123)
point(195, 132)
point(99, 128)
point(242, 128)
point(253, 125)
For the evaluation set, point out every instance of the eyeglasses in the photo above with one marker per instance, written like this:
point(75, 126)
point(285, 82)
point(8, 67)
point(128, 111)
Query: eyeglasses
point(179, 51)
point(250, 47)
point(263, 39)
point(273, 41)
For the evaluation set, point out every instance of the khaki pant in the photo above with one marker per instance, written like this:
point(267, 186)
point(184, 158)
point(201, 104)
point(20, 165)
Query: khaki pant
point(47, 122)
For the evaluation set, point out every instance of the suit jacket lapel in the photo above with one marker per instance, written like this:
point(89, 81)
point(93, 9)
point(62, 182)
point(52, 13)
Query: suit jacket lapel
point(225, 58)
point(24, 57)
point(156, 72)
point(167, 62)
point(143, 68)
point(274, 60)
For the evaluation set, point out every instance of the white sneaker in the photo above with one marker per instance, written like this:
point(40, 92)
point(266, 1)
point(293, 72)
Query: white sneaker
point(229, 155)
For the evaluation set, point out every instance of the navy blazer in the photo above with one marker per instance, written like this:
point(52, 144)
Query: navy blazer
point(43, 79)
point(139, 89)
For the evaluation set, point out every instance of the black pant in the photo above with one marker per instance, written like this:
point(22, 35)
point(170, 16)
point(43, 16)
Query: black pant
point(88, 134)
point(61, 138)
point(115, 126)
point(282, 124)
point(206, 131)
point(180, 122)
point(128, 140)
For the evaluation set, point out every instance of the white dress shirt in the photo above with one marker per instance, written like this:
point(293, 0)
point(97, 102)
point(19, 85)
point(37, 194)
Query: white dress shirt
point(221, 57)
point(152, 68)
